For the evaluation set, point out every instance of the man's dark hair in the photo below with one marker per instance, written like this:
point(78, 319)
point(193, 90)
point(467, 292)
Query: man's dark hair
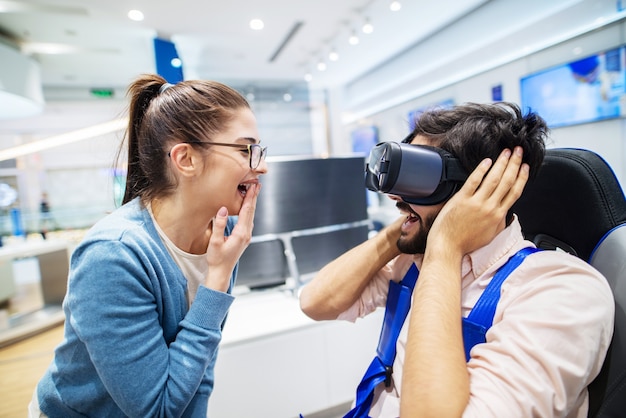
point(473, 132)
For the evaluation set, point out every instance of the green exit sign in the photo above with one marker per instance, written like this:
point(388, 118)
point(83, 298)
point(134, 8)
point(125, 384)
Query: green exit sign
point(102, 92)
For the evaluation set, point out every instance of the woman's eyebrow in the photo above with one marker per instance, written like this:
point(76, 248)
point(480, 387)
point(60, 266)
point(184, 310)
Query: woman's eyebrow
point(248, 139)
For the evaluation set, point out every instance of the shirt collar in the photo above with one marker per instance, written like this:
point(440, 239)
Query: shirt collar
point(494, 254)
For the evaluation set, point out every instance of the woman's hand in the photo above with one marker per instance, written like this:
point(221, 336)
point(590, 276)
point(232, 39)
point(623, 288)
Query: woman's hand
point(223, 251)
point(477, 212)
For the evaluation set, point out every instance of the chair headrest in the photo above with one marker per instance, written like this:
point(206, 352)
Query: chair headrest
point(574, 200)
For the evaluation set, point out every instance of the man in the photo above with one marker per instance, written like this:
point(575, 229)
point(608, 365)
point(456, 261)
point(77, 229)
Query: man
point(554, 318)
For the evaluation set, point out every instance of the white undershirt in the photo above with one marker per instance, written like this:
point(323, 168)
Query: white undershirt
point(194, 266)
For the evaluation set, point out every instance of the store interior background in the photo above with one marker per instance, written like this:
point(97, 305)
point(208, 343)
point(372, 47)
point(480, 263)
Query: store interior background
point(465, 54)
point(495, 43)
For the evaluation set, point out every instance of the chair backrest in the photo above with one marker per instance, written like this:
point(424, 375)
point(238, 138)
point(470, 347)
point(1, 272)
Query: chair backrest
point(576, 204)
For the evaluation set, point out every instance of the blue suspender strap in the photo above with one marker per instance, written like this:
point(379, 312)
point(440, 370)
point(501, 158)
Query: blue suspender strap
point(398, 305)
point(396, 311)
point(410, 278)
point(475, 327)
point(480, 319)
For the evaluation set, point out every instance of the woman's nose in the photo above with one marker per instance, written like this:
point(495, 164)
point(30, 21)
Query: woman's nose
point(262, 167)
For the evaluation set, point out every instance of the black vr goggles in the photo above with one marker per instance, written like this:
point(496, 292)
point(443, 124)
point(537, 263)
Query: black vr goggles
point(419, 174)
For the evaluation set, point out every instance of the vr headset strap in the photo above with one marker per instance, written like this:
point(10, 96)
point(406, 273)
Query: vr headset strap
point(454, 171)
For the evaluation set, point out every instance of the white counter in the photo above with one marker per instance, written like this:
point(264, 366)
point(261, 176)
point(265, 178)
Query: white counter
point(276, 362)
point(51, 268)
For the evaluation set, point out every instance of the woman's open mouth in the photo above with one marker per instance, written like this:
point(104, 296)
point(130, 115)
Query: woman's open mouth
point(243, 188)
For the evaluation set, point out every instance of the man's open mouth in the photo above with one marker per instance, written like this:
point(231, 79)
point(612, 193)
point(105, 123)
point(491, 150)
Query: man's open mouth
point(412, 216)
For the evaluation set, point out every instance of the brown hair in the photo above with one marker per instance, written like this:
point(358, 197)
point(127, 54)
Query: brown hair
point(474, 131)
point(161, 115)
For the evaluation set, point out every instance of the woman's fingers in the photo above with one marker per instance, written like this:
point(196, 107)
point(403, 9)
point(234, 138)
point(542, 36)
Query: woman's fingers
point(248, 208)
point(219, 224)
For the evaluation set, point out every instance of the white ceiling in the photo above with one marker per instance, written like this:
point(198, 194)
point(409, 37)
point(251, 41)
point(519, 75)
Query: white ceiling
point(104, 48)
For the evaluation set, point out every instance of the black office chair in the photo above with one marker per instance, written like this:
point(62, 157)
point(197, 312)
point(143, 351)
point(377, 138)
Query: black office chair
point(576, 204)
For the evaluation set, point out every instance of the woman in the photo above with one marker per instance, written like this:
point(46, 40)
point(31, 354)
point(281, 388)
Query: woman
point(149, 286)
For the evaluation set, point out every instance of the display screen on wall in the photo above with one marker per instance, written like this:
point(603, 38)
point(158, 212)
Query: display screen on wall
point(415, 113)
point(586, 90)
point(364, 138)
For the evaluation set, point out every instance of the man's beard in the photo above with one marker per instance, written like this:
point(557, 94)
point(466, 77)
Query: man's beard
point(417, 244)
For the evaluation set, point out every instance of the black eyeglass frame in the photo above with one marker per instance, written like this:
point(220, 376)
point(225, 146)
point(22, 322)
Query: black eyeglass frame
point(249, 147)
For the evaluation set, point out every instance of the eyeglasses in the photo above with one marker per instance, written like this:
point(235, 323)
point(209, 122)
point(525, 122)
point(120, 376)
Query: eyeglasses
point(256, 153)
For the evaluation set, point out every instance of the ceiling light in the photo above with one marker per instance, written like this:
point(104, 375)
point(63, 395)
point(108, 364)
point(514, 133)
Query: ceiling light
point(47, 48)
point(63, 139)
point(308, 77)
point(367, 27)
point(256, 24)
point(135, 15)
point(353, 40)
point(395, 6)
point(321, 66)
point(333, 55)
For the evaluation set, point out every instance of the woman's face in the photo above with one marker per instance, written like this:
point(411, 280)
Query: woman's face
point(227, 173)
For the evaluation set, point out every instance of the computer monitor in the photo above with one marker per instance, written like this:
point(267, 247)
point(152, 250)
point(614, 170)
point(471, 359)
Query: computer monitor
point(310, 195)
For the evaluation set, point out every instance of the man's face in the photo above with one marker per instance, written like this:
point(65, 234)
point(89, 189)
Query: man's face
point(419, 219)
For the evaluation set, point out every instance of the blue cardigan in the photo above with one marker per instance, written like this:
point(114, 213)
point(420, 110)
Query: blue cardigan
point(132, 347)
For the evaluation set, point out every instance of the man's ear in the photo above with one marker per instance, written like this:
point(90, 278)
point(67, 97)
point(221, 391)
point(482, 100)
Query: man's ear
point(184, 159)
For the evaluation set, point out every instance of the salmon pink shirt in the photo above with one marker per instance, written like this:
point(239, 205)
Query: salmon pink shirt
point(550, 334)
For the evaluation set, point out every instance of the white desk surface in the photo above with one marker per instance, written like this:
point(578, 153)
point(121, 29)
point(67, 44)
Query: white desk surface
point(31, 249)
point(259, 314)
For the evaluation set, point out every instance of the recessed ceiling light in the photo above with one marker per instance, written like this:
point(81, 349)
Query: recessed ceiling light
point(353, 40)
point(256, 24)
point(136, 15)
point(395, 6)
point(368, 27)
point(29, 48)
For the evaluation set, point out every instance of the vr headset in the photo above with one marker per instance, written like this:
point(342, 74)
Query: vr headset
point(419, 174)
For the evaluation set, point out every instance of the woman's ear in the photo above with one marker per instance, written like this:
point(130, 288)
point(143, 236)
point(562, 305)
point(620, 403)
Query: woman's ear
point(184, 159)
